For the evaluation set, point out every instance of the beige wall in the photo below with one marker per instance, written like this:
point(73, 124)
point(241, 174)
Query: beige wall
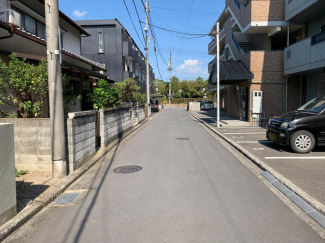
point(7, 173)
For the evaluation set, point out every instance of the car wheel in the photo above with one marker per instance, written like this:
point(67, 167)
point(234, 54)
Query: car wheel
point(302, 142)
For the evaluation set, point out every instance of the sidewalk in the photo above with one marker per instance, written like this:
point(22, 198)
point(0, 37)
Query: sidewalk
point(305, 171)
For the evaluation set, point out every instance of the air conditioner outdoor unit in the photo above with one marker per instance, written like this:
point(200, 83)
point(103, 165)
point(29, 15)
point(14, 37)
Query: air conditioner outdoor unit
point(13, 17)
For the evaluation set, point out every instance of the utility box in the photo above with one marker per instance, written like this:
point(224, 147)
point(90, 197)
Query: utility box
point(257, 97)
point(7, 173)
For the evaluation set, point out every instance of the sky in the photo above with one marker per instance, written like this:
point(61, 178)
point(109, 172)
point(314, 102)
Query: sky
point(189, 56)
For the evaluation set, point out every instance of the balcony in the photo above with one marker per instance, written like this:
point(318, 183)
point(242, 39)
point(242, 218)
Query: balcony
point(305, 55)
point(127, 75)
point(213, 47)
point(128, 51)
point(303, 11)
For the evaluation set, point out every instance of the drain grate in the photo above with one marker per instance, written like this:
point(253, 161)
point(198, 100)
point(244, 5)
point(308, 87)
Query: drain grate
point(301, 203)
point(67, 198)
point(128, 169)
point(268, 176)
point(318, 217)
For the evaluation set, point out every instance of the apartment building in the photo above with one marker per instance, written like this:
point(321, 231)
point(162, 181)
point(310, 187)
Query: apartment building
point(253, 38)
point(23, 31)
point(111, 44)
point(304, 58)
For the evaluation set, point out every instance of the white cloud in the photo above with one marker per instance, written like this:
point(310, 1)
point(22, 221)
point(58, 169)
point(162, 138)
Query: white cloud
point(79, 14)
point(192, 66)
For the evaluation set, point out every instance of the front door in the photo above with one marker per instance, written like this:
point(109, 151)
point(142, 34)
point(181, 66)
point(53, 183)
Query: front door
point(244, 104)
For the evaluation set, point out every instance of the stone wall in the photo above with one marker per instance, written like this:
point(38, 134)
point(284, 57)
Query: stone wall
point(7, 173)
point(113, 122)
point(81, 136)
point(32, 143)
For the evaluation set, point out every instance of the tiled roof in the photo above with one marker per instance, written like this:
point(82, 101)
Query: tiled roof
point(74, 55)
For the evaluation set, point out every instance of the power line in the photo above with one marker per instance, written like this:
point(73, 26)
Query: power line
point(177, 22)
point(188, 18)
point(181, 10)
point(132, 22)
point(135, 6)
point(179, 32)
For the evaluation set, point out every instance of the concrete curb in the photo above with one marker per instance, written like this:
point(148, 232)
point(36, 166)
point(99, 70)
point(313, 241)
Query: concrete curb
point(304, 195)
point(46, 198)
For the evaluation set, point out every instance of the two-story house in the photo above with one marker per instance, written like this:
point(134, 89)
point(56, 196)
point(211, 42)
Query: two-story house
point(23, 31)
point(111, 44)
point(253, 35)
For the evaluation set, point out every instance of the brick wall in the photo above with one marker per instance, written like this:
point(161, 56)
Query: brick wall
point(297, 91)
point(260, 41)
point(113, 122)
point(81, 137)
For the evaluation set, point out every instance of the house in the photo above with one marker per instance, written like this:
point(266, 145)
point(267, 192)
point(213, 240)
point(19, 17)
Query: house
point(110, 43)
point(253, 39)
point(304, 58)
point(23, 31)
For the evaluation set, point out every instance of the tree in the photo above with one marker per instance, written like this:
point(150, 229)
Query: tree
point(163, 88)
point(128, 88)
point(175, 85)
point(104, 95)
point(24, 86)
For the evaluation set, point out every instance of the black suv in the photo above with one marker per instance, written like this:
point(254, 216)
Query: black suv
point(302, 129)
point(154, 105)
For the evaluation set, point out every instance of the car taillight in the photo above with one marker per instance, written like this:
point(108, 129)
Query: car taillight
point(156, 105)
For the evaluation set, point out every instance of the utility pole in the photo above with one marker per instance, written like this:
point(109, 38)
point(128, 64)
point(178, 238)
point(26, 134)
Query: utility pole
point(170, 64)
point(218, 77)
point(147, 52)
point(59, 163)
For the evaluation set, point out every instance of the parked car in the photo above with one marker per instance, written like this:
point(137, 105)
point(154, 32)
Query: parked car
point(207, 105)
point(301, 129)
point(155, 105)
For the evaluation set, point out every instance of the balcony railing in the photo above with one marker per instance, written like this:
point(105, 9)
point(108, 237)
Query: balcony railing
point(235, 42)
point(237, 3)
point(318, 38)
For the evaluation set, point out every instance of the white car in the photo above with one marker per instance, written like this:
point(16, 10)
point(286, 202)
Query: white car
point(207, 105)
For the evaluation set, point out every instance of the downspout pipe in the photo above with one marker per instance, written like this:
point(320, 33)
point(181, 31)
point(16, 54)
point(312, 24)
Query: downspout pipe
point(11, 31)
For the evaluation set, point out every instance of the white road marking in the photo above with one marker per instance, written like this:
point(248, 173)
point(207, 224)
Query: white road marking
point(258, 148)
point(295, 157)
point(242, 133)
point(262, 141)
point(237, 137)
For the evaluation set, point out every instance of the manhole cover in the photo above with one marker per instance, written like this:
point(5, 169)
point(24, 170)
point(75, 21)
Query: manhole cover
point(182, 138)
point(128, 169)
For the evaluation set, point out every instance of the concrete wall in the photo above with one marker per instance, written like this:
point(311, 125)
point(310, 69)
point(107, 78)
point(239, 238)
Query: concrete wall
point(304, 56)
point(297, 6)
point(81, 136)
point(314, 27)
point(32, 143)
point(113, 122)
point(7, 173)
point(313, 85)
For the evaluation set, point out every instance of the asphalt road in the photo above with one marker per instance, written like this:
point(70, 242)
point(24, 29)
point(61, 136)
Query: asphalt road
point(191, 189)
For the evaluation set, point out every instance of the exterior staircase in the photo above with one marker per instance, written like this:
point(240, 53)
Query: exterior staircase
point(246, 46)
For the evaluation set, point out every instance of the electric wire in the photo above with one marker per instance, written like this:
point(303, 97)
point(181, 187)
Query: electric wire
point(132, 22)
point(173, 9)
point(135, 6)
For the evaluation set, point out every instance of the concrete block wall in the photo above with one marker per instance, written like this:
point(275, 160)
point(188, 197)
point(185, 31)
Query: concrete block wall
point(141, 112)
point(81, 138)
point(7, 173)
point(32, 143)
point(113, 122)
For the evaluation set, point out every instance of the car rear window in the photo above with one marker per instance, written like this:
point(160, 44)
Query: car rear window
point(209, 102)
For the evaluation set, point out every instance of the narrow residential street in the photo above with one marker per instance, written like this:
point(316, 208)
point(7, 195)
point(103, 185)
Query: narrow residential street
point(191, 189)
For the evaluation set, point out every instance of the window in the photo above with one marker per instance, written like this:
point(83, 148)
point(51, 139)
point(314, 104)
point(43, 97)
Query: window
point(41, 30)
point(322, 28)
point(30, 24)
point(100, 42)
